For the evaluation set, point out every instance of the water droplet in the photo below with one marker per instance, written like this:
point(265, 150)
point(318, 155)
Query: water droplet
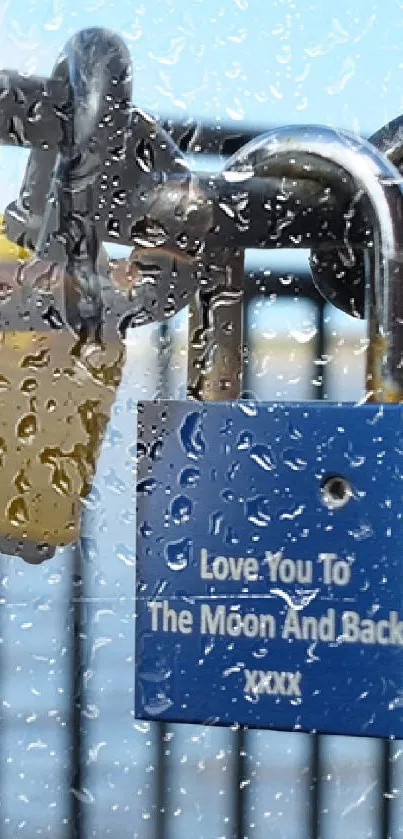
point(17, 512)
point(298, 599)
point(305, 334)
point(177, 554)
point(189, 477)
point(114, 483)
point(362, 532)
point(27, 428)
point(160, 587)
point(146, 487)
point(248, 408)
point(258, 510)
point(244, 441)
point(231, 537)
point(263, 456)
point(145, 529)
point(231, 471)
point(290, 515)
point(156, 450)
point(21, 482)
point(83, 795)
point(93, 500)
point(28, 386)
point(3, 450)
point(158, 705)
point(191, 437)
point(5, 384)
point(61, 481)
point(37, 360)
point(294, 460)
point(125, 554)
point(216, 520)
point(294, 432)
point(355, 460)
point(6, 291)
point(144, 155)
point(181, 509)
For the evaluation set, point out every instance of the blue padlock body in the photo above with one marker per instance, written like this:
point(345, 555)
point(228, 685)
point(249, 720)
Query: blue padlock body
point(257, 604)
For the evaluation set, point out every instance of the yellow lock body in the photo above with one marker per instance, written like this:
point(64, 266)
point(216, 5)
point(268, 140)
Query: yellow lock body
point(55, 402)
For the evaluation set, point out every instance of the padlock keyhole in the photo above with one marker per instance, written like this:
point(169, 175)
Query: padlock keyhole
point(336, 492)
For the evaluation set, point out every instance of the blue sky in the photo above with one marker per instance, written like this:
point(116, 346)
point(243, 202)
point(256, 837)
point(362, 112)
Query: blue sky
point(264, 62)
point(261, 62)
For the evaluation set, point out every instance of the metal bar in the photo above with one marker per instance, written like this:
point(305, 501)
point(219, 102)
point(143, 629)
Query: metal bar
point(193, 136)
point(315, 787)
point(76, 819)
point(319, 368)
point(161, 776)
point(3, 764)
point(215, 333)
point(162, 391)
point(215, 362)
point(386, 784)
point(240, 776)
point(316, 741)
point(219, 139)
point(378, 389)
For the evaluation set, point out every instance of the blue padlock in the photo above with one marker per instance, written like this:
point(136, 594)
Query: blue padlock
point(269, 588)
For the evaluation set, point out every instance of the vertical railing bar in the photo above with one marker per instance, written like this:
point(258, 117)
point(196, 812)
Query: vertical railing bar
point(161, 775)
point(241, 737)
point(76, 820)
point(319, 350)
point(246, 367)
point(386, 786)
point(215, 368)
point(162, 391)
point(315, 786)
point(315, 756)
point(164, 352)
point(2, 668)
point(318, 391)
point(240, 776)
point(375, 390)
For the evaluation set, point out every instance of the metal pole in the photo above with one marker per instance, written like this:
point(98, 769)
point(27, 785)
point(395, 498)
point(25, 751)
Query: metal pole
point(162, 391)
point(77, 628)
point(215, 333)
point(215, 362)
point(161, 776)
point(375, 392)
point(316, 741)
point(386, 758)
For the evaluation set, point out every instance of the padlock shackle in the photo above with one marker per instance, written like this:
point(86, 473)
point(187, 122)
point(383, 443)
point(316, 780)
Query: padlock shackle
point(339, 272)
point(281, 211)
point(314, 152)
point(283, 150)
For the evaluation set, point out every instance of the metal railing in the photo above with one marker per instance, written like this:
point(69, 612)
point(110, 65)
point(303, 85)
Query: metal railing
point(240, 771)
point(78, 826)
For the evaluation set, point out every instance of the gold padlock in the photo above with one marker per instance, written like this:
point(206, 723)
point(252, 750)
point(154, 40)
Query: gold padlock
point(56, 397)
